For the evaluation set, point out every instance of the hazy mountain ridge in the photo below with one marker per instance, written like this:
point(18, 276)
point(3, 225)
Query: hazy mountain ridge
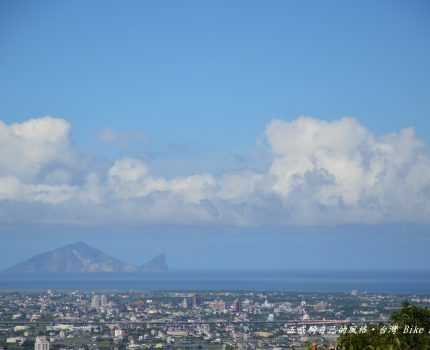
point(157, 263)
point(81, 258)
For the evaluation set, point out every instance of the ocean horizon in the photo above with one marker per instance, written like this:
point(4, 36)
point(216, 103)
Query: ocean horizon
point(311, 281)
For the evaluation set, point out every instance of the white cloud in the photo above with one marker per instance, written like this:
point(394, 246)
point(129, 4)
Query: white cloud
point(241, 186)
point(25, 148)
point(12, 189)
point(130, 178)
point(320, 173)
point(361, 172)
point(128, 170)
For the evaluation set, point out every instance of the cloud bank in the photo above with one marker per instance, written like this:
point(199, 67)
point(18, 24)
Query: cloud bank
point(320, 173)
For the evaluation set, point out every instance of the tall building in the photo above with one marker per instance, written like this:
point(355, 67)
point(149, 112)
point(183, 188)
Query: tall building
point(197, 300)
point(185, 303)
point(41, 343)
point(103, 300)
point(98, 301)
point(95, 301)
point(236, 305)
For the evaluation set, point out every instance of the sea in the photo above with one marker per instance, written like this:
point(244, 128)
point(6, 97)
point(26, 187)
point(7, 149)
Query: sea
point(393, 282)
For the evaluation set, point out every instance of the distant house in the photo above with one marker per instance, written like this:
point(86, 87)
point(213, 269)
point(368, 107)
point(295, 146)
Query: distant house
point(41, 343)
point(16, 340)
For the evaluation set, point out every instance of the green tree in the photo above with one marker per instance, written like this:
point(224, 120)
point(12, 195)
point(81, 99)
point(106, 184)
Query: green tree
point(415, 317)
point(380, 337)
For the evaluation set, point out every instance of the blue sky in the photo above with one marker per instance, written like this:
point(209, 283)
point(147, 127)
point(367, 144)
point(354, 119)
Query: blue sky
point(192, 88)
point(193, 73)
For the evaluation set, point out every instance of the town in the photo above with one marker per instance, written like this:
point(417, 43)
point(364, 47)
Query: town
point(78, 319)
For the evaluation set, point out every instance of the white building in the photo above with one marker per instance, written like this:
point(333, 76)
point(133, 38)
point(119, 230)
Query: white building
point(99, 301)
point(15, 340)
point(117, 333)
point(41, 343)
point(95, 301)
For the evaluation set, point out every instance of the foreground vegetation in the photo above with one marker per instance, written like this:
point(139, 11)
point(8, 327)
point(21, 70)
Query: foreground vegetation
point(408, 330)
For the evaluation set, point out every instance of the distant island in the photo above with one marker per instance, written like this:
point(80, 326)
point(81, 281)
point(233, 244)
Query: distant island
point(81, 258)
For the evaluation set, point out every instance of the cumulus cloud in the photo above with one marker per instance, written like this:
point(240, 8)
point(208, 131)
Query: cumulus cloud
point(130, 178)
point(320, 173)
point(360, 176)
point(25, 148)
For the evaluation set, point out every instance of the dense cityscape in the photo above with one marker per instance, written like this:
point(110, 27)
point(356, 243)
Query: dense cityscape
point(187, 320)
